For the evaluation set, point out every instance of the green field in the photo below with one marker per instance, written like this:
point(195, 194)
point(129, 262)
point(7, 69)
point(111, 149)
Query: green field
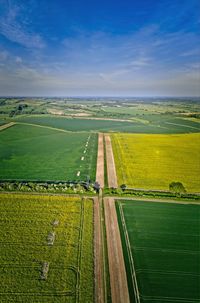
point(77, 124)
point(52, 229)
point(140, 124)
point(154, 161)
point(35, 153)
point(161, 248)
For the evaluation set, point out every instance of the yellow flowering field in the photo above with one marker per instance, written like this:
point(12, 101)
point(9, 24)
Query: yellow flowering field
point(153, 161)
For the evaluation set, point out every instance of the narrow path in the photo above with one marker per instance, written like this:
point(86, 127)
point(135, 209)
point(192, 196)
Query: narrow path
point(98, 254)
point(111, 171)
point(44, 126)
point(118, 279)
point(161, 200)
point(100, 161)
point(4, 126)
point(183, 125)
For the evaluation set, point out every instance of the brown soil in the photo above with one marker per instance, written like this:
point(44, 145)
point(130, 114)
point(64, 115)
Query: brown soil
point(100, 161)
point(111, 171)
point(118, 280)
point(98, 261)
point(4, 126)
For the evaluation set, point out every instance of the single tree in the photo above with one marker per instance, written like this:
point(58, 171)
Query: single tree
point(177, 187)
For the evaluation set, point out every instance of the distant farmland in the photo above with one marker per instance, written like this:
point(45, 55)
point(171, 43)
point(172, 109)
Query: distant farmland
point(153, 124)
point(77, 124)
point(46, 249)
point(34, 153)
point(161, 250)
point(154, 161)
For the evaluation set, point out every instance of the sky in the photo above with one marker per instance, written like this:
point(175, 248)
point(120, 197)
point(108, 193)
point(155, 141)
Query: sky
point(99, 48)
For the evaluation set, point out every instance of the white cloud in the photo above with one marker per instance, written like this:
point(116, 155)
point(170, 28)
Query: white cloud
point(17, 32)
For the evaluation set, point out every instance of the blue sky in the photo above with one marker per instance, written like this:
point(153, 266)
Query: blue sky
point(100, 48)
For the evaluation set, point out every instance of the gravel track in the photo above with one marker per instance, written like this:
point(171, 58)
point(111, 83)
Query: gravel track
point(118, 280)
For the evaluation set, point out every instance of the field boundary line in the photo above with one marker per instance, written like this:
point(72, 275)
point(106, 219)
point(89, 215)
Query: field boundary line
point(44, 126)
point(98, 255)
point(184, 125)
point(130, 256)
point(155, 200)
point(78, 278)
point(111, 170)
point(7, 125)
point(103, 245)
point(100, 161)
point(118, 279)
point(170, 299)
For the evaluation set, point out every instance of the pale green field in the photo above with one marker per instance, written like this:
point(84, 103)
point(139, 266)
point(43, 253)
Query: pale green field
point(154, 161)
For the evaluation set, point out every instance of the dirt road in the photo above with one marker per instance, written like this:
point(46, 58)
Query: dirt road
point(98, 253)
point(100, 161)
point(118, 280)
point(111, 171)
point(4, 126)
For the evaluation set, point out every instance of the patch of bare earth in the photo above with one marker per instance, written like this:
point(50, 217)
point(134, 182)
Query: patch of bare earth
point(111, 171)
point(100, 161)
point(4, 126)
point(54, 111)
point(118, 279)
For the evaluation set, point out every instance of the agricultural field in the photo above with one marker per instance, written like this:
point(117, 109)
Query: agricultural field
point(146, 124)
point(78, 124)
point(37, 153)
point(2, 122)
point(154, 161)
point(161, 249)
point(143, 115)
point(46, 249)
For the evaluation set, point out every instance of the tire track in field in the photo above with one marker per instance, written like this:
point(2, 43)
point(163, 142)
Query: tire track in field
point(44, 126)
point(111, 171)
point(118, 280)
point(100, 161)
point(98, 254)
point(130, 257)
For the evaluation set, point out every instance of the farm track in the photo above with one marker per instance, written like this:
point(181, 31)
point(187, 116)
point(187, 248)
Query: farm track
point(118, 280)
point(100, 161)
point(159, 200)
point(44, 126)
point(156, 200)
point(111, 171)
point(4, 126)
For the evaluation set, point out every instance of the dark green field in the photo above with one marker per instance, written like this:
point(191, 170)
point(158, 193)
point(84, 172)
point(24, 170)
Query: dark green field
point(35, 153)
point(52, 230)
point(162, 250)
point(155, 124)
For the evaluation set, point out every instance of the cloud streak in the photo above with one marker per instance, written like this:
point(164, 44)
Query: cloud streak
point(16, 32)
point(154, 57)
